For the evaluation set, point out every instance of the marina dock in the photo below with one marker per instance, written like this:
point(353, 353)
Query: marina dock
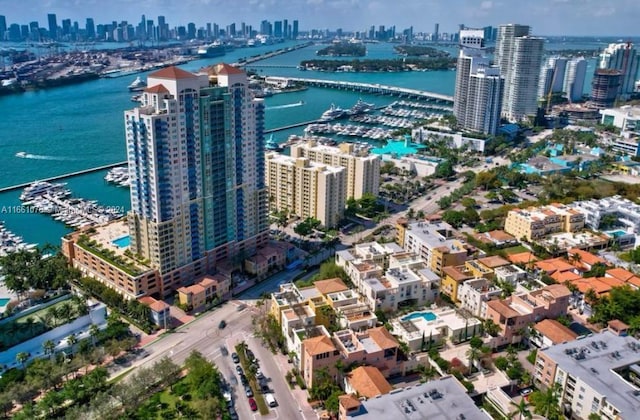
point(59, 177)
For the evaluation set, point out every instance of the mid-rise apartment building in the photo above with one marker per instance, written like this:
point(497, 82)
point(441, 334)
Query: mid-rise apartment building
point(535, 223)
point(435, 242)
point(598, 374)
point(625, 212)
point(305, 188)
point(474, 294)
point(514, 314)
point(362, 167)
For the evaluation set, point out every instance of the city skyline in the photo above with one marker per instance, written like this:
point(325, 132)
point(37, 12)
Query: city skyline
point(546, 17)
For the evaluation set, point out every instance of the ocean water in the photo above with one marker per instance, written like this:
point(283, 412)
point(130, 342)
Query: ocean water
point(76, 127)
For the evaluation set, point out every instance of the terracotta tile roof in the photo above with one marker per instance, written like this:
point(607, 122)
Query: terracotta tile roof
point(502, 308)
point(620, 273)
point(318, 345)
point(595, 283)
point(500, 235)
point(368, 382)
point(157, 89)
point(224, 68)
point(208, 281)
point(585, 256)
point(330, 286)
point(522, 258)
point(562, 276)
point(173, 73)
point(554, 264)
point(349, 402)
point(557, 290)
point(193, 289)
point(493, 261)
point(456, 274)
point(153, 304)
point(555, 331)
point(382, 337)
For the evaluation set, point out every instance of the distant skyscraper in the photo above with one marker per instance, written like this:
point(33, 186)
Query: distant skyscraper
point(623, 57)
point(53, 26)
point(479, 88)
point(436, 35)
point(285, 29)
point(519, 57)
point(196, 161)
point(574, 79)
point(294, 31)
point(90, 29)
point(3, 27)
point(552, 76)
point(277, 29)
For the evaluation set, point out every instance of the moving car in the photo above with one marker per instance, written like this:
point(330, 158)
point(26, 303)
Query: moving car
point(222, 324)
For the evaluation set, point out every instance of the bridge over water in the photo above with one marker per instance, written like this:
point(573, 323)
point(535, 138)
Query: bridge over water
point(379, 89)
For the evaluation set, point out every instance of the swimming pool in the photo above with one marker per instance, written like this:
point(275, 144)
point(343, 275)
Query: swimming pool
point(122, 242)
point(428, 316)
point(4, 301)
point(398, 148)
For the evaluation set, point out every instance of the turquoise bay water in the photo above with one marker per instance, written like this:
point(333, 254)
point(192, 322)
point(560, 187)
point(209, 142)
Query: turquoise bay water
point(81, 126)
point(428, 316)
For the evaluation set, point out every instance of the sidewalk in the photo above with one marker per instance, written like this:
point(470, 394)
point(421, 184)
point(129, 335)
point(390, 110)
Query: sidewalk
point(300, 395)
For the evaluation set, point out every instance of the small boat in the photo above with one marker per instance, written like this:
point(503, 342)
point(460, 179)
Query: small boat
point(21, 154)
point(137, 85)
point(272, 145)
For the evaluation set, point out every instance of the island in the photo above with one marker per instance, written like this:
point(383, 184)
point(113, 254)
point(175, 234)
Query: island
point(343, 49)
point(379, 65)
point(420, 51)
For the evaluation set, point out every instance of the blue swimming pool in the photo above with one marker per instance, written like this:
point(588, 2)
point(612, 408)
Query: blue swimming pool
point(122, 242)
point(4, 301)
point(428, 316)
point(398, 148)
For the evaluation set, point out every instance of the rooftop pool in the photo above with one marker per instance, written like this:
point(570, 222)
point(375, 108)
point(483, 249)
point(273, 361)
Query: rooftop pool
point(428, 316)
point(122, 242)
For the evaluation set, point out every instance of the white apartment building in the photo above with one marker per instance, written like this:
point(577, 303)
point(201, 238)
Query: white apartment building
point(306, 188)
point(552, 76)
point(473, 295)
point(574, 78)
point(626, 212)
point(509, 273)
point(626, 118)
point(521, 82)
point(454, 140)
point(623, 57)
point(598, 374)
point(362, 167)
point(404, 278)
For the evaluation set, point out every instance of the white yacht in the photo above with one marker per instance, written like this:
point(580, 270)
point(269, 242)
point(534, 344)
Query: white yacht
point(39, 188)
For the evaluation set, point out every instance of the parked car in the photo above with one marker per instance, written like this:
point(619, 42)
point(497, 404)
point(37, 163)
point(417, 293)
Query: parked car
point(235, 358)
point(259, 374)
point(243, 379)
point(251, 356)
point(239, 370)
point(271, 400)
point(253, 405)
point(248, 391)
point(232, 413)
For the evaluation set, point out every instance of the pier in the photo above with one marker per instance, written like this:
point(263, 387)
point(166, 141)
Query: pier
point(370, 88)
point(59, 177)
point(243, 62)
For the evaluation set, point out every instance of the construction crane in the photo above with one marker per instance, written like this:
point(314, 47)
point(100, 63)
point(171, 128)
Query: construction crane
point(550, 93)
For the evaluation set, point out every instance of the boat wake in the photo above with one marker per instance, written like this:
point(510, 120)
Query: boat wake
point(25, 155)
point(293, 105)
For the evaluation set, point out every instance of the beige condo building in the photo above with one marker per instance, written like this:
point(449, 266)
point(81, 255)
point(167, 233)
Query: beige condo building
point(362, 168)
point(306, 188)
point(537, 222)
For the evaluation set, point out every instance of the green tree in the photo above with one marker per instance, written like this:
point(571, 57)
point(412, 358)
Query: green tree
point(22, 358)
point(521, 410)
point(48, 347)
point(444, 170)
point(547, 402)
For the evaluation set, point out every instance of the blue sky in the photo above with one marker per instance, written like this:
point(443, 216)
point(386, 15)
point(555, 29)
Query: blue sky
point(547, 17)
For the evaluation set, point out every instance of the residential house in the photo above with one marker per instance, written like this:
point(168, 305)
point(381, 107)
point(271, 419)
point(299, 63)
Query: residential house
point(549, 332)
point(160, 311)
point(367, 382)
point(473, 295)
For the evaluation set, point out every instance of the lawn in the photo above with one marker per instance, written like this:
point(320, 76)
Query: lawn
point(516, 249)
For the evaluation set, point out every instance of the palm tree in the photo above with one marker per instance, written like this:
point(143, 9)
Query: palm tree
point(473, 354)
point(22, 357)
point(547, 403)
point(521, 410)
point(94, 330)
point(48, 347)
point(65, 312)
point(72, 340)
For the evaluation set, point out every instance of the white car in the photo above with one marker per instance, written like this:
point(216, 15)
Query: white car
point(259, 374)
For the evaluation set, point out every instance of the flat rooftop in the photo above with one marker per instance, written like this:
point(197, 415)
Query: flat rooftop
point(595, 360)
point(442, 399)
